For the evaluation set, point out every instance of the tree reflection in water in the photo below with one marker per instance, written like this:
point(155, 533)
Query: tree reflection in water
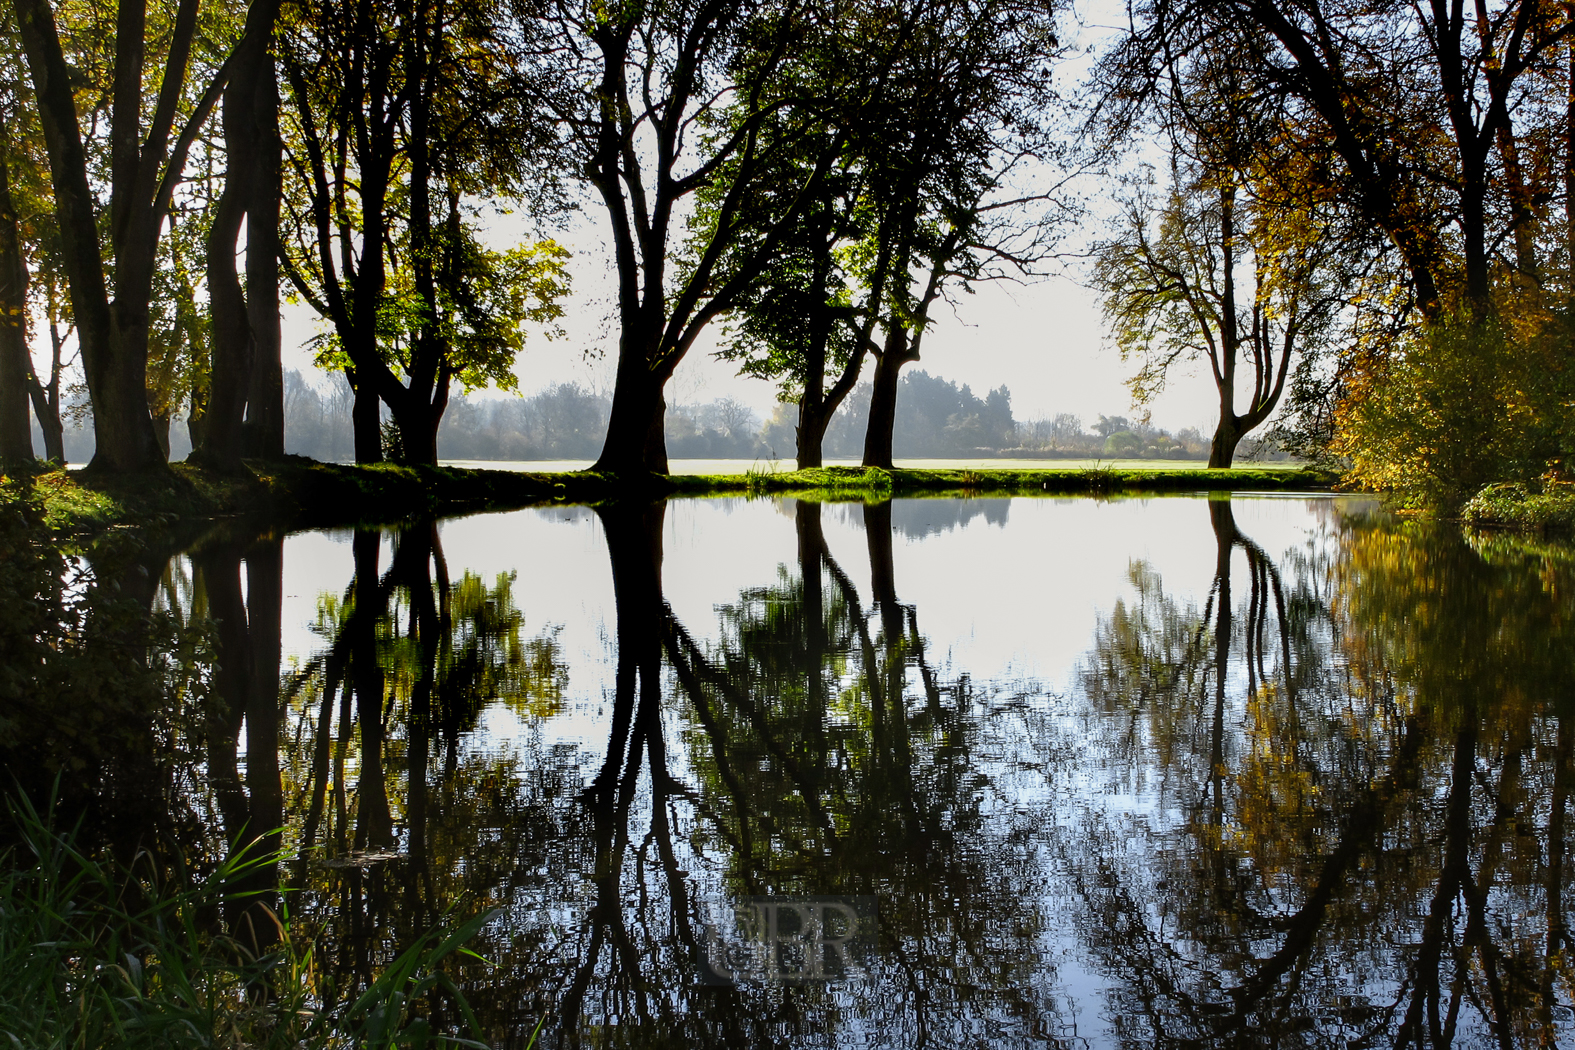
point(824, 760)
point(1357, 832)
point(1324, 804)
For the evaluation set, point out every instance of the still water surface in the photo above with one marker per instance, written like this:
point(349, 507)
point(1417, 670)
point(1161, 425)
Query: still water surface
point(1174, 771)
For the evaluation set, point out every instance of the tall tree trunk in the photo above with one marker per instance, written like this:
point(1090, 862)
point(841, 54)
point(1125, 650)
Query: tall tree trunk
point(16, 362)
point(264, 428)
point(812, 412)
point(370, 283)
point(901, 347)
point(812, 415)
point(1228, 432)
point(1523, 203)
point(230, 374)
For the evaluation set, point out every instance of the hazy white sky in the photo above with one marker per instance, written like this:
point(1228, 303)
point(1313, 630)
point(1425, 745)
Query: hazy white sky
point(1044, 340)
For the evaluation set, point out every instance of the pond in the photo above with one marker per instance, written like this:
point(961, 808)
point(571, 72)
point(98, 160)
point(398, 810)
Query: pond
point(926, 773)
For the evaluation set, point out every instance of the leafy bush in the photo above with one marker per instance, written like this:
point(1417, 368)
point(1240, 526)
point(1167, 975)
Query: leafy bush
point(1513, 504)
point(1461, 403)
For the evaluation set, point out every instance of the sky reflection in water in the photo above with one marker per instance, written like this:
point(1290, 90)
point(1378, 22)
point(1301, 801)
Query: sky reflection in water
point(1171, 771)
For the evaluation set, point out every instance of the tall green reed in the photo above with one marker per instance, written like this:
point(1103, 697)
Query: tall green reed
point(99, 952)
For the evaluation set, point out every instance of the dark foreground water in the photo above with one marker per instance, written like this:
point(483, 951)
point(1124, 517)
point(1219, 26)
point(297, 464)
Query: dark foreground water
point(931, 773)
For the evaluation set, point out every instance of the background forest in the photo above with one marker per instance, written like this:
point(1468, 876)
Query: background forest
point(935, 418)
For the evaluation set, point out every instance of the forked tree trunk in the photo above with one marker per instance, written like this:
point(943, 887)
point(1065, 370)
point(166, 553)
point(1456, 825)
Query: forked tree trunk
point(883, 398)
point(112, 333)
point(419, 420)
point(811, 434)
point(815, 412)
point(54, 432)
point(234, 343)
point(263, 433)
point(901, 347)
point(46, 396)
point(1226, 437)
point(636, 439)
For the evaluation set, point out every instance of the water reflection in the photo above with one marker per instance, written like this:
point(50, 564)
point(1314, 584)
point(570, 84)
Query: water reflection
point(1358, 839)
point(1317, 799)
point(245, 659)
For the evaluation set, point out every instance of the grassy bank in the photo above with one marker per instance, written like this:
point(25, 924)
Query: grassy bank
point(293, 493)
point(853, 482)
point(302, 493)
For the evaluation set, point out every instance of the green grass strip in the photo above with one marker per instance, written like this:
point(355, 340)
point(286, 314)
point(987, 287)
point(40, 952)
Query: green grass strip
point(302, 493)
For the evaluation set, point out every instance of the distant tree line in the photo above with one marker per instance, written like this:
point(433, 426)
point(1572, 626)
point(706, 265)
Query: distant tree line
point(562, 422)
point(936, 418)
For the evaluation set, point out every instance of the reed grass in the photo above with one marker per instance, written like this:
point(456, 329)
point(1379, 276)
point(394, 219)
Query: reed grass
point(97, 952)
